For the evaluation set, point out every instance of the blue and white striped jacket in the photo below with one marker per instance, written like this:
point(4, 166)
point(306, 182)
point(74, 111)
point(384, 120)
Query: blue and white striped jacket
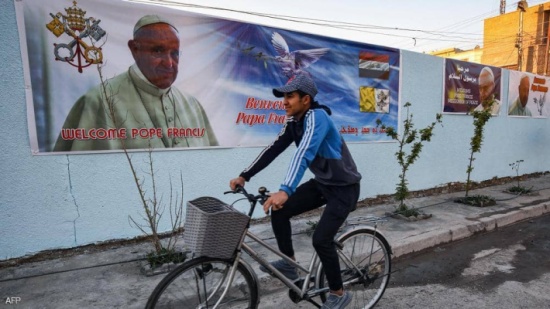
point(320, 147)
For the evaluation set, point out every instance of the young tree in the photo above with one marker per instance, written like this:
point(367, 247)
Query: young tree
point(415, 138)
point(518, 189)
point(480, 120)
point(153, 205)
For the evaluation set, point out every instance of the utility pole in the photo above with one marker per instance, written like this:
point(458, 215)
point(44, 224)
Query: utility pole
point(547, 51)
point(522, 6)
point(502, 7)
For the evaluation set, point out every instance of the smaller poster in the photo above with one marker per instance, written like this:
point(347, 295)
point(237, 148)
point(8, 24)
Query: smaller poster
point(527, 95)
point(471, 87)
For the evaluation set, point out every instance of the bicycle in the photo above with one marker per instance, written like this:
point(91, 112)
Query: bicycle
point(213, 282)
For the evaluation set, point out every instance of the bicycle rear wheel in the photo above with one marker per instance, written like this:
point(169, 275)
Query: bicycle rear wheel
point(200, 282)
point(369, 252)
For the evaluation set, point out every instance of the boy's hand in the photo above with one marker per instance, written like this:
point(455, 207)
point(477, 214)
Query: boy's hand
point(239, 181)
point(275, 201)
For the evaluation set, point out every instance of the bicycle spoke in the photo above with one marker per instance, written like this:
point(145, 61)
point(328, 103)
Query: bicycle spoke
point(200, 285)
point(365, 267)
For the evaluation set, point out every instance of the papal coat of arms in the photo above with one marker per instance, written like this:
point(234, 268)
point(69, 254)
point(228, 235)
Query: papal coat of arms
point(77, 52)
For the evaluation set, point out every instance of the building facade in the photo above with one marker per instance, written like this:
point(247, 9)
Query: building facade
point(518, 40)
point(470, 55)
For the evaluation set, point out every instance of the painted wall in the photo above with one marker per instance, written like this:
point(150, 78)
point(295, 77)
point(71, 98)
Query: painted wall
point(49, 202)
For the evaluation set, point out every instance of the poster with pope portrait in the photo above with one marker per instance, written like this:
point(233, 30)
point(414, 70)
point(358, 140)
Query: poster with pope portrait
point(471, 87)
point(527, 95)
point(163, 78)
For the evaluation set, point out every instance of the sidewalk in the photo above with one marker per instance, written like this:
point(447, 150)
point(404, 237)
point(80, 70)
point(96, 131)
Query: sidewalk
point(113, 278)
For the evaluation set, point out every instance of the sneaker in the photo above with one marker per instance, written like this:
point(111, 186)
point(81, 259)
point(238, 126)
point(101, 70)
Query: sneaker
point(337, 302)
point(284, 267)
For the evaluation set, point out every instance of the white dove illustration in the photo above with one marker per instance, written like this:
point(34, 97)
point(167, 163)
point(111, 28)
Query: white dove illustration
point(294, 62)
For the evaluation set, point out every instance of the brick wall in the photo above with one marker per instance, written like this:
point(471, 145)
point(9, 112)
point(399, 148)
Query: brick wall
point(501, 38)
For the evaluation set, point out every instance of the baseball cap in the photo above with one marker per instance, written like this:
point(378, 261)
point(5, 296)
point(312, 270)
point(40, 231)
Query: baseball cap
point(301, 81)
point(152, 19)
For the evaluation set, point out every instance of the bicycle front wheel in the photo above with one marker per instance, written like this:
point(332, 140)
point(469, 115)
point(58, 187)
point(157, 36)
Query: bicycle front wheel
point(200, 282)
point(365, 267)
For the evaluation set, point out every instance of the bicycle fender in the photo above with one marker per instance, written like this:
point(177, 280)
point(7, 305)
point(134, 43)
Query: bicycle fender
point(367, 227)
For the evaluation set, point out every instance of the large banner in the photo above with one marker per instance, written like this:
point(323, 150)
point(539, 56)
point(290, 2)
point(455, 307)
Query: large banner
point(527, 95)
point(101, 80)
point(471, 86)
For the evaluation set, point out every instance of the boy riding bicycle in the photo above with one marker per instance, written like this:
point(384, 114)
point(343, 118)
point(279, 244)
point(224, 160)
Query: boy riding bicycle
point(336, 184)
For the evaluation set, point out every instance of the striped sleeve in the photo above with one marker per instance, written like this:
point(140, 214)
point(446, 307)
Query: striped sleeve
point(316, 129)
point(269, 153)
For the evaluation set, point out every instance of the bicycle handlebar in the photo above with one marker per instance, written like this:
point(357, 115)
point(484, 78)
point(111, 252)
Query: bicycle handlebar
point(253, 199)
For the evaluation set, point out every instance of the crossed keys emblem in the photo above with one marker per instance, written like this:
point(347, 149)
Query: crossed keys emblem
point(77, 52)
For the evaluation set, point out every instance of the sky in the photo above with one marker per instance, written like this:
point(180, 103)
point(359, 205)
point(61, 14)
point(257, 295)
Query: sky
point(420, 26)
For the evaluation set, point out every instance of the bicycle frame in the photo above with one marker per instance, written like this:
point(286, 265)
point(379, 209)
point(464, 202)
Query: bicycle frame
point(290, 284)
point(303, 291)
point(314, 266)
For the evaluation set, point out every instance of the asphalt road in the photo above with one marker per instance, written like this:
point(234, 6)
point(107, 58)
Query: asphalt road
point(506, 268)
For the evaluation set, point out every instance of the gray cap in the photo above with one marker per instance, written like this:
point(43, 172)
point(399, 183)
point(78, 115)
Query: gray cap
point(301, 81)
point(150, 20)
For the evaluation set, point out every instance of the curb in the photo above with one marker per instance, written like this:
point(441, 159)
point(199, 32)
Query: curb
point(457, 232)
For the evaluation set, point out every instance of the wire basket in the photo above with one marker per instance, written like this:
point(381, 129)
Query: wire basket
point(213, 228)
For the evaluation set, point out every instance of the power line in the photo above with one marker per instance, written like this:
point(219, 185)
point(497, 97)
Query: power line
point(298, 19)
point(427, 37)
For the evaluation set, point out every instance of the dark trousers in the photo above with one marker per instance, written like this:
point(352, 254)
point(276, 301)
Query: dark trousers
point(340, 200)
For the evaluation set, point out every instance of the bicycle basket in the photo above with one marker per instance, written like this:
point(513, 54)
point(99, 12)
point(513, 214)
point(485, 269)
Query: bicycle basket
point(213, 228)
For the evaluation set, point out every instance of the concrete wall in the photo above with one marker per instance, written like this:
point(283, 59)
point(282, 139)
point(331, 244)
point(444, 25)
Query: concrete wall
point(63, 201)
